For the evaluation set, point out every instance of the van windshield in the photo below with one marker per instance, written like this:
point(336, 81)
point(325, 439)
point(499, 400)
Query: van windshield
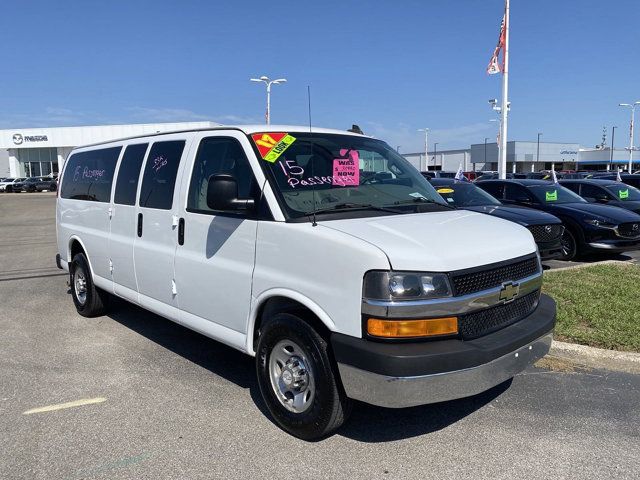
point(332, 172)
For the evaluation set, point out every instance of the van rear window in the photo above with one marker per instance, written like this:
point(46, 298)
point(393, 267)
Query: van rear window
point(89, 175)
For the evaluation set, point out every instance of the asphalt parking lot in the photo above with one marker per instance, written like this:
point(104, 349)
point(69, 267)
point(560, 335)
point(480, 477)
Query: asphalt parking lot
point(169, 403)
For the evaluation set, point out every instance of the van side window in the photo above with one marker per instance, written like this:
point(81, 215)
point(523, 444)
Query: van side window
point(129, 173)
point(89, 175)
point(219, 155)
point(160, 172)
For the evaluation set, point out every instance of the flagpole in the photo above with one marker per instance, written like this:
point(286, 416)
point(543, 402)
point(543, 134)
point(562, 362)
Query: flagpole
point(502, 166)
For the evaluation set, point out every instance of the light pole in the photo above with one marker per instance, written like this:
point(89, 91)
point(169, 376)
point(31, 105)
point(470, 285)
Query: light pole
point(613, 136)
point(538, 150)
point(632, 106)
point(485, 150)
point(435, 155)
point(398, 149)
point(269, 82)
point(426, 147)
point(502, 139)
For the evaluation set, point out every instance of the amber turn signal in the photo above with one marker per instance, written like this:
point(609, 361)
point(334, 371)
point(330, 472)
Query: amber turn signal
point(431, 327)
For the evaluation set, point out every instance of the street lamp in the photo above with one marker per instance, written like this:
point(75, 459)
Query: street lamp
point(632, 106)
point(398, 149)
point(613, 136)
point(268, 82)
point(435, 154)
point(485, 151)
point(538, 149)
point(426, 147)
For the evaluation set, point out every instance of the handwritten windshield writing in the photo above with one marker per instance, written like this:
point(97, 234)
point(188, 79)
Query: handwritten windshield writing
point(158, 163)
point(86, 173)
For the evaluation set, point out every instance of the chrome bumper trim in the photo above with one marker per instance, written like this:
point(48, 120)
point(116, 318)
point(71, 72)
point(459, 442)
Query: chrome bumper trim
point(610, 246)
point(447, 306)
point(400, 392)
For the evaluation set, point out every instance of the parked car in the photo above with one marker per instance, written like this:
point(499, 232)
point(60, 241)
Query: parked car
point(438, 174)
point(36, 184)
point(629, 179)
point(4, 182)
point(588, 227)
point(273, 240)
point(495, 175)
point(15, 183)
point(608, 192)
point(546, 229)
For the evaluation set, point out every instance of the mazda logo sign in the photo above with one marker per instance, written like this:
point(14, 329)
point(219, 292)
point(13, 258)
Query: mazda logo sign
point(17, 138)
point(635, 227)
point(547, 228)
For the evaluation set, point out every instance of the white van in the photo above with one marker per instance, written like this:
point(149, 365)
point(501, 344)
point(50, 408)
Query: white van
point(322, 253)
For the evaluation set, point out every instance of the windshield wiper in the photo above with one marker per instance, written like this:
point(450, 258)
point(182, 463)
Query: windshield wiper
point(421, 200)
point(354, 206)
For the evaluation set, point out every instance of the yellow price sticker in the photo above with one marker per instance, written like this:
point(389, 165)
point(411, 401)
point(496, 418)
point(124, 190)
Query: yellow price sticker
point(445, 190)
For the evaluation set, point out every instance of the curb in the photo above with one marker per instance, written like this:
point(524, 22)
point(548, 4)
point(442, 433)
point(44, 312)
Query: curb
point(591, 264)
point(592, 357)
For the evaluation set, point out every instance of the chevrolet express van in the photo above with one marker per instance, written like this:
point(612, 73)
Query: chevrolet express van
point(322, 253)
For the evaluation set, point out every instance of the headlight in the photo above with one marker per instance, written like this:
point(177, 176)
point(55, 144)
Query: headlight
point(405, 285)
point(599, 223)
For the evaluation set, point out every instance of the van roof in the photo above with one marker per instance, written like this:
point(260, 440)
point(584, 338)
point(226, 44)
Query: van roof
point(246, 129)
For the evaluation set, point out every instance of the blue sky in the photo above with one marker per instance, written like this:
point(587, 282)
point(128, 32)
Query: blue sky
point(390, 66)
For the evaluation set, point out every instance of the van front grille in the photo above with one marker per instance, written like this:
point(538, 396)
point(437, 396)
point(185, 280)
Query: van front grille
point(478, 280)
point(476, 324)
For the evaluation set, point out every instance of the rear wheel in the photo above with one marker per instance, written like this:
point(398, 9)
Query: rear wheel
point(53, 187)
point(298, 380)
point(89, 300)
point(569, 245)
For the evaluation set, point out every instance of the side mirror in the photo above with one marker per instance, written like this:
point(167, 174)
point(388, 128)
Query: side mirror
point(222, 194)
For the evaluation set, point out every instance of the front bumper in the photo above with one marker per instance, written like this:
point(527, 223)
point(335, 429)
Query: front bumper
point(550, 250)
point(615, 245)
point(397, 375)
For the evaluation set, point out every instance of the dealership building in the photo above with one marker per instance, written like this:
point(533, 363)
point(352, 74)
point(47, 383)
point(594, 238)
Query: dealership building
point(525, 156)
point(35, 152)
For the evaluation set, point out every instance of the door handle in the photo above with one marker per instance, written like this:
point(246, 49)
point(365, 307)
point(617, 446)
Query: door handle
point(181, 231)
point(139, 224)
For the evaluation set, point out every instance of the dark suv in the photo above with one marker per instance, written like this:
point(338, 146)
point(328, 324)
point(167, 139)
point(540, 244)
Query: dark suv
point(588, 226)
point(36, 184)
point(545, 228)
point(607, 192)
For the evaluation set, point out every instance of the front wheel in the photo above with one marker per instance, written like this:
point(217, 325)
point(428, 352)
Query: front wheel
point(89, 300)
point(297, 379)
point(569, 245)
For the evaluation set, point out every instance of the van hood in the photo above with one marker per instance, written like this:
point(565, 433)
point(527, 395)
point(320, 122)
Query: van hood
point(440, 241)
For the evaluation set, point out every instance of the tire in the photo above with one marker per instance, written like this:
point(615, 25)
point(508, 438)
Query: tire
point(569, 246)
point(31, 190)
point(53, 187)
point(89, 300)
point(322, 407)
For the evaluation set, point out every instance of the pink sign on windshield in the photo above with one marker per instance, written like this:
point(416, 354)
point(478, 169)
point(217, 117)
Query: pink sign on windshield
point(346, 171)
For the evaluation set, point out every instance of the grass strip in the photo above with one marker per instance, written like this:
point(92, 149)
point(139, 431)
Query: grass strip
point(598, 305)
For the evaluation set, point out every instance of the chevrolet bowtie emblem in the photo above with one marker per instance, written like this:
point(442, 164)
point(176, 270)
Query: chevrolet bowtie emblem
point(509, 291)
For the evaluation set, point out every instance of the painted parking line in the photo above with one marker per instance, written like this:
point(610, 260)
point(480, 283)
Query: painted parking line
point(61, 406)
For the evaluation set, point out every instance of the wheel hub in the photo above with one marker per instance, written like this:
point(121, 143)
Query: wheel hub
point(291, 379)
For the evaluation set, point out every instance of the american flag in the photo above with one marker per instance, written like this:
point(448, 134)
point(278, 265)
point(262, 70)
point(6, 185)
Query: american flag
point(495, 67)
